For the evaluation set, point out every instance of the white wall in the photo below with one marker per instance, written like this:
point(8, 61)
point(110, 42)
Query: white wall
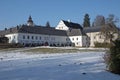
point(95, 37)
point(13, 38)
point(25, 38)
point(85, 41)
point(77, 40)
point(62, 26)
point(51, 39)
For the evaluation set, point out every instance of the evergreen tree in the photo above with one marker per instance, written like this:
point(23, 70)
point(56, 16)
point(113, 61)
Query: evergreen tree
point(86, 22)
point(112, 58)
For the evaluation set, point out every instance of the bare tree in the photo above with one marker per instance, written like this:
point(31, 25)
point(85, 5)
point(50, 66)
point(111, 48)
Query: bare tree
point(99, 20)
point(109, 29)
point(108, 32)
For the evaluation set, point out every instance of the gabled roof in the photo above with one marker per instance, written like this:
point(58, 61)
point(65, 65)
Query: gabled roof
point(9, 31)
point(35, 30)
point(72, 25)
point(92, 29)
point(75, 32)
point(42, 30)
point(99, 28)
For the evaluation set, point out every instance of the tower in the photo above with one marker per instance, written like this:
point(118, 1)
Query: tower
point(30, 21)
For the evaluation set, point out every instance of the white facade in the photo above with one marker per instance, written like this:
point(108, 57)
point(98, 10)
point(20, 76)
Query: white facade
point(79, 41)
point(62, 26)
point(13, 38)
point(26, 38)
point(78, 38)
point(97, 37)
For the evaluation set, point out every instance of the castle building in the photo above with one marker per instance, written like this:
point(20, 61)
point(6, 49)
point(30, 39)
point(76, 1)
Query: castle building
point(65, 34)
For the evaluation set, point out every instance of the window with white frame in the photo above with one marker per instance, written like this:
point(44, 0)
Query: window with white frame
point(28, 37)
point(36, 37)
point(32, 37)
point(40, 37)
point(73, 39)
point(23, 36)
point(76, 38)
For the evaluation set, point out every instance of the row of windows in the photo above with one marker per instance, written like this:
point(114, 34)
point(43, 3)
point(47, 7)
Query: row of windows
point(32, 37)
point(45, 38)
point(36, 37)
point(11, 37)
point(100, 37)
point(40, 38)
point(68, 39)
point(74, 39)
point(60, 27)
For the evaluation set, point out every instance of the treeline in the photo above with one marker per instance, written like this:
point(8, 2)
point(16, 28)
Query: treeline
point(99, 20)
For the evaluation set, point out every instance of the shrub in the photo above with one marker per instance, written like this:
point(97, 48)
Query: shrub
point(112, 58)
point(103, 45)
point(8, 45)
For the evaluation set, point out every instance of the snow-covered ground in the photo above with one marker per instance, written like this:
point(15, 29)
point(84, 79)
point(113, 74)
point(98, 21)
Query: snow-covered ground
point(18, 65)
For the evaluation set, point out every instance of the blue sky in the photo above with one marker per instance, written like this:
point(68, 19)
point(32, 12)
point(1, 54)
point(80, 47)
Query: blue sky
point(15, 12)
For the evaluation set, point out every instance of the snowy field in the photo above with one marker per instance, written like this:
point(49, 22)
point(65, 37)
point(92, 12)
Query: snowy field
point(20, 65)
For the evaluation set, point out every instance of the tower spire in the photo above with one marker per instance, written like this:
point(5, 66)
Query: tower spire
point(30, 21)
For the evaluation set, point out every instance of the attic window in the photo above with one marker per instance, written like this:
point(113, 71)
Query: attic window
point(60, 27)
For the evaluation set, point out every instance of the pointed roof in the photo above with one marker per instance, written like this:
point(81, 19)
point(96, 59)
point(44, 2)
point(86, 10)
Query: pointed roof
point(30, 19)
